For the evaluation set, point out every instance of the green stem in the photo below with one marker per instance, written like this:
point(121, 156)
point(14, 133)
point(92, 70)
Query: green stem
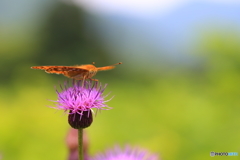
point(80, 144)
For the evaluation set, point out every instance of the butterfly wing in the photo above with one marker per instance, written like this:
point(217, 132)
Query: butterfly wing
point(68, 71)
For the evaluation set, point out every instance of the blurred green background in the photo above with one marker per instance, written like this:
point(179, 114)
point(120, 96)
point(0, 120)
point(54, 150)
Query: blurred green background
point(182, 106)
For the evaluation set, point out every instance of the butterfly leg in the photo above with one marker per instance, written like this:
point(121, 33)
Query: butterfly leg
point(93, 79)
point(83, 80)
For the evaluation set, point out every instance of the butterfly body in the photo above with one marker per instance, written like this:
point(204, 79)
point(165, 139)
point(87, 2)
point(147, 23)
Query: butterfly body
point(78, 72)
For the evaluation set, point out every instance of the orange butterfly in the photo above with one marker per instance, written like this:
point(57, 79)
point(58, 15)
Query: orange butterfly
point(79, 72)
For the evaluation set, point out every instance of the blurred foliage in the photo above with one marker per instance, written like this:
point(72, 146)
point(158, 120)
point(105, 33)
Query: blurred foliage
point(180, 113)
point(68, 40)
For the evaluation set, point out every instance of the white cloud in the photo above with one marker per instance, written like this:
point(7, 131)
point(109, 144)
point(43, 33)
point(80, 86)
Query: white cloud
point(139, 7)
point(129, 6)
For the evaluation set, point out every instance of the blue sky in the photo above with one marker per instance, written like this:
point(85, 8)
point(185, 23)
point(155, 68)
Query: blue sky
point(143, 8)
point(172, 35)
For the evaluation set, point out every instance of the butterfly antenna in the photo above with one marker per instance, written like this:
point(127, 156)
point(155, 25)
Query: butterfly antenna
point(116, 64)
point(108, 67)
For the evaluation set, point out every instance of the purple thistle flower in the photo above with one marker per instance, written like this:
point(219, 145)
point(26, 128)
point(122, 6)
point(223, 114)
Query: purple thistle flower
point(80, 99)
point(127, 153)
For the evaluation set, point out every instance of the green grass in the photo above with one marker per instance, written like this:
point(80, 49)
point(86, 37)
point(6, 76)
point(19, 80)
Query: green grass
point(173, 116)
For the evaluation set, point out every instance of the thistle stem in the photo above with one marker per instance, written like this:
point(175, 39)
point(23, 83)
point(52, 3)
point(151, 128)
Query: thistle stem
point(80, 143)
